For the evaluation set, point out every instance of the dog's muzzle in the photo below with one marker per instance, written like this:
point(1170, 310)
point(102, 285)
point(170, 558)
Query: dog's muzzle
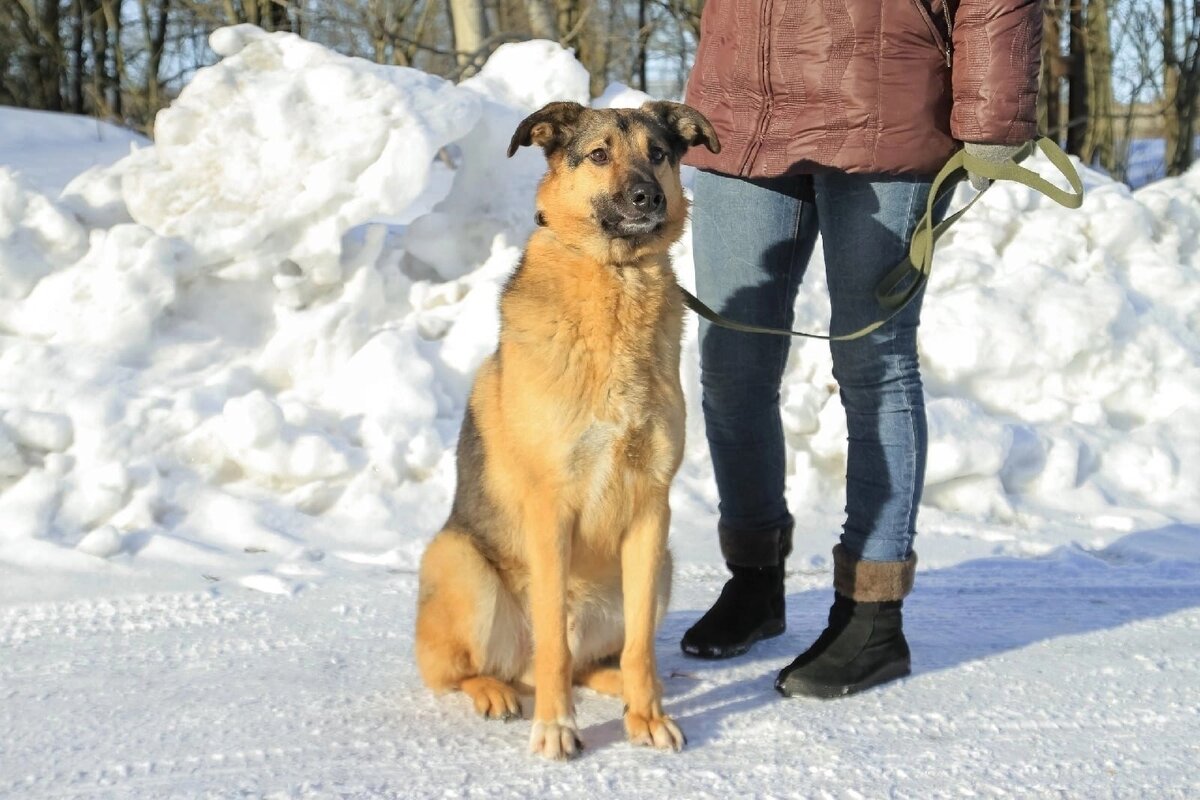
point(638, 211)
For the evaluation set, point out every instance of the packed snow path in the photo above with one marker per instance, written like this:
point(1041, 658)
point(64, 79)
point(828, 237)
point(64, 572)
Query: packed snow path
point(1071, 676)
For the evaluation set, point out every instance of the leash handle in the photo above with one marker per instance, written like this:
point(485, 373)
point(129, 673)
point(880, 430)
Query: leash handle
point(891, 297)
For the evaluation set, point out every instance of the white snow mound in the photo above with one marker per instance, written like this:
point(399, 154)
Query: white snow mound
point(253, 341)
point(284, 145)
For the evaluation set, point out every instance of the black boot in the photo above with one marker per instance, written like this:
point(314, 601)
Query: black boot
point(751, 606)
point(863, 645)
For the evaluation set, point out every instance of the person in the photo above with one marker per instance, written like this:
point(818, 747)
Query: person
point(833, 119)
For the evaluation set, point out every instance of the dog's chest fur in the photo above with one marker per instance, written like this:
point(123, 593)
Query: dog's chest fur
point(603, 344)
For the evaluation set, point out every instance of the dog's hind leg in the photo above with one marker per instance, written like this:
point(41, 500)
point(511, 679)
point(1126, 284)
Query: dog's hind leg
point(596, 636)
point(469, 633)
point(605, 680)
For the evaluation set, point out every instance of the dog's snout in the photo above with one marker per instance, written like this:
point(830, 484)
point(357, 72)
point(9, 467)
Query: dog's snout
point(646, 196)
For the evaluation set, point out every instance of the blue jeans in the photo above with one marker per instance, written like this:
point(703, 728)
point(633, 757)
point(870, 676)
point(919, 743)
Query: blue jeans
point(752, 240)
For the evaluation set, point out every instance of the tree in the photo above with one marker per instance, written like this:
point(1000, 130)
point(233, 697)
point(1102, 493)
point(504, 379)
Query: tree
point(541, 19)
point(1077, 79)
point(470, 25)
point(1098, 142)
point(1054, 69)
point(1181, 81)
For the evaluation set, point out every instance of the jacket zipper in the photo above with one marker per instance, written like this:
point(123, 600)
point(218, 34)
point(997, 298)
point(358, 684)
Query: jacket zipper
point(765, 53)
point(938, 39)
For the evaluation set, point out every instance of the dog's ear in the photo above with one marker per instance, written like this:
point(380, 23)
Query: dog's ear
point(686, 126)
point(548, 127)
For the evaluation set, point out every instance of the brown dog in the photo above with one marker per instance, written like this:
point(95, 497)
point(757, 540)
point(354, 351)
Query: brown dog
point(554, 561)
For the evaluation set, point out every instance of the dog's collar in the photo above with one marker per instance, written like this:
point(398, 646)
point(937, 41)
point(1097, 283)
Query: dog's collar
point(540, 219)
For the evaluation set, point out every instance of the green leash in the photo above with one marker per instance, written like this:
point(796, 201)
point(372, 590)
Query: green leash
point(891, 297)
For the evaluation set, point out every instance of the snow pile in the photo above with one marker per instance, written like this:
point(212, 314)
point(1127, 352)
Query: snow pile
point(1083, 337)
point(224, 328)
point(244, 352)
point(36, 237)
point(1059, 350)
point(50, 149)
point(283, 146)
point(491, 194)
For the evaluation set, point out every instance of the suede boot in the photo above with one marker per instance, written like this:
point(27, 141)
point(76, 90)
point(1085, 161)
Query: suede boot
point(751, 606)
point(863, 644)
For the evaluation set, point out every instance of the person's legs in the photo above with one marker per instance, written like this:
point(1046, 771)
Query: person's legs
point(866, 223)
point(751, 243)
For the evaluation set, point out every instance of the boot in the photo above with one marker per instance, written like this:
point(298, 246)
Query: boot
point(751, 606)
point(863, 645)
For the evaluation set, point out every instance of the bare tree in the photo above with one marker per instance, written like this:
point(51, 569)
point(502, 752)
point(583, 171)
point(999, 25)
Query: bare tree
point(31, 53)
point(470, 25)
point(270, 15)
point(1181, 81)
point(1077, 78)
point(541, 19)
point(1099, 144)
point(1054, 69)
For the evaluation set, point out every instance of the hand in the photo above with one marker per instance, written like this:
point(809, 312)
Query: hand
point(993, 154)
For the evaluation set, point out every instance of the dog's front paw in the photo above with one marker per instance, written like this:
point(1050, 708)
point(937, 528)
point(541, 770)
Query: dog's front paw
point(654, 731)
point(556, 739)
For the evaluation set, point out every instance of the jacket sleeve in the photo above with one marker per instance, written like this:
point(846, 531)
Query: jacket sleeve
point(997, 66)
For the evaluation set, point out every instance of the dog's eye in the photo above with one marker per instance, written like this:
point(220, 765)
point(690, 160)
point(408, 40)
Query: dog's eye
point(599, 156)
point(657, 154)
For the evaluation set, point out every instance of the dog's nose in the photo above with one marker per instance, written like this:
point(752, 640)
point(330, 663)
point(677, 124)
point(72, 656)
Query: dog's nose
point(646, 196)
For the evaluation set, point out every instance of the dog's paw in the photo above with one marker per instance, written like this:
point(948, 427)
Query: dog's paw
point(556, 739)
point(660, 732)
point(492, 698)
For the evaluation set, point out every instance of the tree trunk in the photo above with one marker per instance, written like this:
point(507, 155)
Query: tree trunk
point(1053, 69)
point(1171, 117)
point(117, 79)
point(75, 77)
point(154, 31)
point(470, 27)
point(541, 20)
point(1181, 84)
point(1099, 144)
point(643, 39)
point(274, 15)
point(52, 56)
point(97, 34)
point(1077, 81)
point(583, 27)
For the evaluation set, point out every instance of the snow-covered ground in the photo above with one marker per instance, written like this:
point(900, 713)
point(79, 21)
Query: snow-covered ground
point(232, 369)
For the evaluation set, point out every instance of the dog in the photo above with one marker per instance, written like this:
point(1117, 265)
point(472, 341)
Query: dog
point(553, 569)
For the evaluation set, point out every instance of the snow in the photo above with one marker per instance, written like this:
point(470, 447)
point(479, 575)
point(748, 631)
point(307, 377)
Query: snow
point(232, 369)
point(52, 148)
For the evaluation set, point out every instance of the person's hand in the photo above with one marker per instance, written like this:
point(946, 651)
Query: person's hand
point(993, 154)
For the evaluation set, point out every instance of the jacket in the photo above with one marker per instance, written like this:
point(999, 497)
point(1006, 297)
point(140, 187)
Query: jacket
point(875, 86)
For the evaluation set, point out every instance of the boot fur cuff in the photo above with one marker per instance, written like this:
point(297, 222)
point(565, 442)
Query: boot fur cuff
point(763, 548)
point(872, 581)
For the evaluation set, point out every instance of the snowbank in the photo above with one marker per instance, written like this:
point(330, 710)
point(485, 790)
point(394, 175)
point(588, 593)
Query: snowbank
point(50, 149)
point(243, 353)
point(283, 146)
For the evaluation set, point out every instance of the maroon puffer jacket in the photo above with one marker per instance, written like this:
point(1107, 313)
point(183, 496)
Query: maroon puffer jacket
point(880, 86)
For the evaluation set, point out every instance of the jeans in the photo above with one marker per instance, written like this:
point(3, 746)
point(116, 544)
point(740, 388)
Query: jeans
point(752, 240)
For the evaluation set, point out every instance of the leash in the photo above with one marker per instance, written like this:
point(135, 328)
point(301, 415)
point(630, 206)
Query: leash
point(891, 297)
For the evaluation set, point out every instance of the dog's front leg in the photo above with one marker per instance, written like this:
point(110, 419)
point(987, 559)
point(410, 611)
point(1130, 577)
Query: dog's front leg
point(554, 734)
point(642, 552)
